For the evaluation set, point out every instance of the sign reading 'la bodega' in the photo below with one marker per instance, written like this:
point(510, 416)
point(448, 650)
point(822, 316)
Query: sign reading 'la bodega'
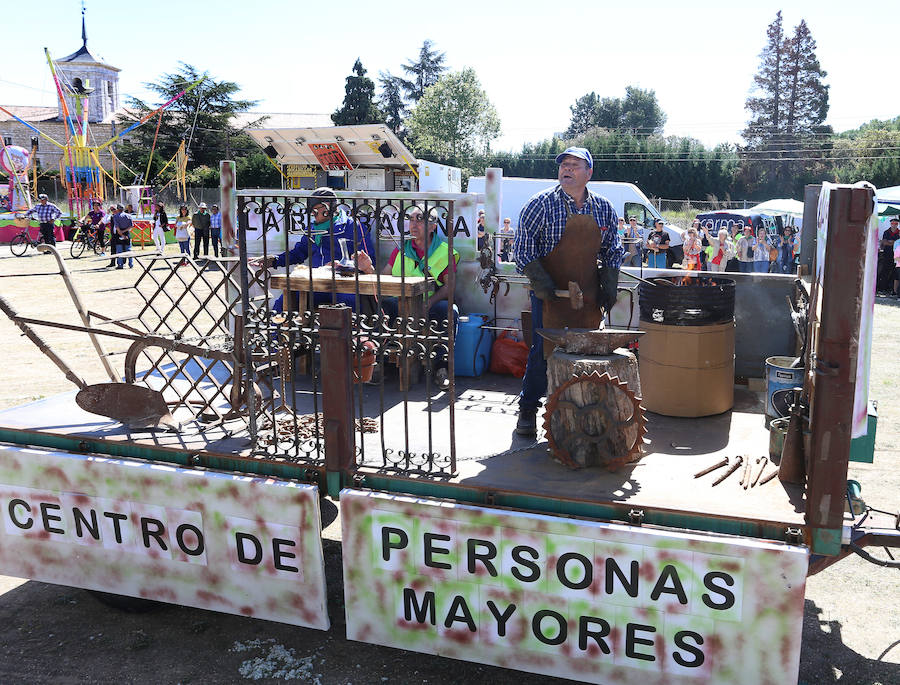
point(589, 601)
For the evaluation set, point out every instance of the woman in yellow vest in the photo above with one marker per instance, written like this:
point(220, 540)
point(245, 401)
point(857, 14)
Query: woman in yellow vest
point(424, 253)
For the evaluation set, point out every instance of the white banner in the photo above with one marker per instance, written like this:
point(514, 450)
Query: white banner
point(594, 602)
point(238, 544)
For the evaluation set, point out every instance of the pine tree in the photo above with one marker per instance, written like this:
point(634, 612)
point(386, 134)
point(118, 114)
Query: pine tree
point(391, 101)
point(358, 107)
point(766, 116)
point(584, 115)
point(425, 71)
point(639, 112)
point(807, 96)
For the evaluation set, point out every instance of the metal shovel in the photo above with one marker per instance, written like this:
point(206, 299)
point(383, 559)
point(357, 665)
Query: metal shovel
point(134, 405)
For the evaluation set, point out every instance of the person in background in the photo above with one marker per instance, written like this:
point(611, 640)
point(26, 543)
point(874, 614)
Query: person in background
point(722, 249)
point(129, 210)
point(329, 225)
point(620, 229)
point(889, 239)
point(160, 226)
point(632, 243)
point(201, 223)
point(215, 228)
point(745, 250)
point(425, 253)
point(113, 237)
point(183, 233)
point(787, 250)
point(704, 243)
point(47, 213)
point(93, 221)
point(692, 249)
point(479, 224)
point(896, 292)
point(121, 225)
point(657, 246)
point(735, 233)
point(507, 226)
point(761, 252)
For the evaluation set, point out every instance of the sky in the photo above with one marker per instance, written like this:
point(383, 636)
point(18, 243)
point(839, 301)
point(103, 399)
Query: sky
point(534, 59)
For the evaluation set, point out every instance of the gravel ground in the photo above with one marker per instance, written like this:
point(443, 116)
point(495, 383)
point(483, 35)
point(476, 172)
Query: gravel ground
point(54, 634)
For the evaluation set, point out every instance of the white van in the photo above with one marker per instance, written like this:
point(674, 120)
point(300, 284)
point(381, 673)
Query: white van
point(627, 199)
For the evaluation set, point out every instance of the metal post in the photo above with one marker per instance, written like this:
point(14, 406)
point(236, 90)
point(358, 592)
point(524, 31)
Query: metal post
point(227, 203)
point(337, 396)
point(835, 371)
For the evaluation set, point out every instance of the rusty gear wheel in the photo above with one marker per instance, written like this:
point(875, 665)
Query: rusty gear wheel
point(600, 425)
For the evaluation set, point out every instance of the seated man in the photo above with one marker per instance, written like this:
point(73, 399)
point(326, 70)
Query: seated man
point(424, 254)
point(329, 226)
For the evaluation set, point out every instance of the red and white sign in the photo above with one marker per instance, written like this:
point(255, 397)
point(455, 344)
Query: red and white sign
point(331, 157)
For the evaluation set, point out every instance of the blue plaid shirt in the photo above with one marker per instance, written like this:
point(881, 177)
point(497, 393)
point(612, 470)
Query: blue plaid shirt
point(45, 213)
point(543, 219)
point(215, 221)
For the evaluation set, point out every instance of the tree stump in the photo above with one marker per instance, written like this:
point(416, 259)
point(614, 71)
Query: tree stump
point(593, 415)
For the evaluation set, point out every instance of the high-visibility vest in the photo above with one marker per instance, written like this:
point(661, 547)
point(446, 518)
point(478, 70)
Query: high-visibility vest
point(438, 261)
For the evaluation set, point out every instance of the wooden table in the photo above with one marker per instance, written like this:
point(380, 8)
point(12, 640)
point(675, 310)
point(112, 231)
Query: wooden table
point(410, 292)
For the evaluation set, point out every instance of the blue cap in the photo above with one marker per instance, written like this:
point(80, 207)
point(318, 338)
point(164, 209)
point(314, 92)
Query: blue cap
point(580, 152)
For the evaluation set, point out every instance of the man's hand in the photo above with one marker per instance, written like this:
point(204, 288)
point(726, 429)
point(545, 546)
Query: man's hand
point(261, 262)
point(541, 282)
point(607, 287)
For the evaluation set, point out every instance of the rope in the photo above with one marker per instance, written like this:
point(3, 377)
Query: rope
point(153, 147)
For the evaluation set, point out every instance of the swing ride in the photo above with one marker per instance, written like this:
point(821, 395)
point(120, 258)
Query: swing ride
point(81, 173)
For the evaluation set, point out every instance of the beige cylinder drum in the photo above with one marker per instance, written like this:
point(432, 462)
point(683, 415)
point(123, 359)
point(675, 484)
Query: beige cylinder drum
point(687, 370)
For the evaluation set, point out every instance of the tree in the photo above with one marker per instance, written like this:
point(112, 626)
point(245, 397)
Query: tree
point(424, 72)
point(358, 107)
point(638, 113)
point(454, 118)
point(766, 108)
point(787, 140)
point(807, 96)
point(204, 118)
point(391, 101)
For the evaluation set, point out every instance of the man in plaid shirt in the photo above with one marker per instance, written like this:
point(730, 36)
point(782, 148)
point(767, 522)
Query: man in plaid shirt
point(46, 214)
point(541, 225)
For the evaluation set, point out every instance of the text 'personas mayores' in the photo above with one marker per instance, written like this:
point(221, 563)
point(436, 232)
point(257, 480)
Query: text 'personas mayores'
point(642, 603)
point(148, 530)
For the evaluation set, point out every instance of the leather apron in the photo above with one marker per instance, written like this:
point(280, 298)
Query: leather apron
point(574, 259)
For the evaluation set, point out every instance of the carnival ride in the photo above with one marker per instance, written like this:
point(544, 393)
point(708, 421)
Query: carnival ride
point(81, 173)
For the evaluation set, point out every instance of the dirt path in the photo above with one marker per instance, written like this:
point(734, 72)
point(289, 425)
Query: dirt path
point(60, 635)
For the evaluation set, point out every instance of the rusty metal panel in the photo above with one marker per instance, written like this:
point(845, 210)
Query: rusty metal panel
point(844, 214)
point(594, 602)
point(225, 542)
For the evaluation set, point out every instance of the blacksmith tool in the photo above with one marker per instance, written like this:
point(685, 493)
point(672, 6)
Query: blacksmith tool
point(734, 467)
point(764, 460)
point(712, 468)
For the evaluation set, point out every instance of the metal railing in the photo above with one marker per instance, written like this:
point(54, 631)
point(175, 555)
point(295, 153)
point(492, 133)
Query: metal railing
point(313, 347)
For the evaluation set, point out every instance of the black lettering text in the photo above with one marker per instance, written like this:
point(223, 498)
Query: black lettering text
point(472, 546)
point(115, 517)
point(632, 639)
point(630, 584)
point(28, 522)
point(586, 630)
point(240, 540)
point(280, 554)
point(156, 532)
point(392, 538)
point(424, 613)
point(727, 595)
point(536, 626)
point(698, 655)
point(669, 572)
point(501, 618)
point(197, 549)
point(561, 566)
point(431, 550)
point(47, 517)
point(81, 522)
point(459, 611)
point(518, 555)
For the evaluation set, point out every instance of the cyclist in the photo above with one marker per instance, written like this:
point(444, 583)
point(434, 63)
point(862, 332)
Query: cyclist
point(47, 214)
point(93, 222)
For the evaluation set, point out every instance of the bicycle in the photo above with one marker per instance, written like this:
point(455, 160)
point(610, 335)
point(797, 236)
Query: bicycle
point(85, 237)
point(21, 242)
